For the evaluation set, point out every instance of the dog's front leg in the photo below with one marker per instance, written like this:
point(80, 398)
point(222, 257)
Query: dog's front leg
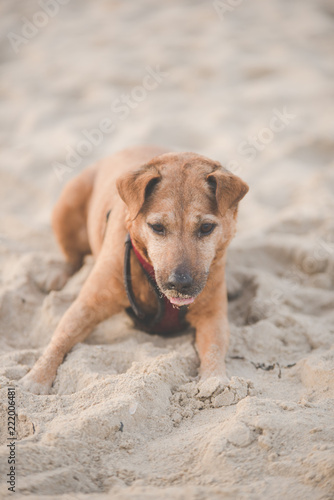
point(96, 302)
point(212, 339)
point(210, 320)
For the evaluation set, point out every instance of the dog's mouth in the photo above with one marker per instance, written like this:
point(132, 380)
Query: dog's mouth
point(181, 298)
point(181, 301)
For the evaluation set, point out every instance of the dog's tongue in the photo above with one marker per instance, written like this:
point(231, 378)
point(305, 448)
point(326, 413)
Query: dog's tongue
point(181, 302)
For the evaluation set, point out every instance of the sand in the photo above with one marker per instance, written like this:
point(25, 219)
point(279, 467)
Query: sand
point(249, 84)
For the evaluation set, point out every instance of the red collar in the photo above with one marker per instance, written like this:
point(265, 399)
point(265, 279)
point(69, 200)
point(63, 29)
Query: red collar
point(143, 262)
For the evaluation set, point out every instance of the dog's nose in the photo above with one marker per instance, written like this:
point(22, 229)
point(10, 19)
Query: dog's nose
point(180, 281)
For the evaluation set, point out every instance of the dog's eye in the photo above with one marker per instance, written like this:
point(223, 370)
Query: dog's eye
point(157, 228)
point(206, 228)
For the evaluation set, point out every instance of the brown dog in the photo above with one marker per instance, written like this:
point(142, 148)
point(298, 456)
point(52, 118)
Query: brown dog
point(180, 211)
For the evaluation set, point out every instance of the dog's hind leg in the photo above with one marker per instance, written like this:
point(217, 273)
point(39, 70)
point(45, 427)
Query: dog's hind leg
point(69, 218)
point(69, 221)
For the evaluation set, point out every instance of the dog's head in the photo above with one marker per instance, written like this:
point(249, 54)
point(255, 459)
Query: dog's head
point(182, 210)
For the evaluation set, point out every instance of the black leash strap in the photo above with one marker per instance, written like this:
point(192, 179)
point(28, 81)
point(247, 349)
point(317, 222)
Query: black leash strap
point(127, 279)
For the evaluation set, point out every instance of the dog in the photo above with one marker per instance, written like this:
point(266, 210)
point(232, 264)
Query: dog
point(158, 224)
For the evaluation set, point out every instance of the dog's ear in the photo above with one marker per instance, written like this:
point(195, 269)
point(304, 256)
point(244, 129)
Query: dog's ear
point(135, 187)
point(228, 188)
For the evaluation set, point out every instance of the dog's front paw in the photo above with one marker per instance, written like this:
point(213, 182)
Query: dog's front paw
point(210, 385)
point(223, 392)
point(29, 383)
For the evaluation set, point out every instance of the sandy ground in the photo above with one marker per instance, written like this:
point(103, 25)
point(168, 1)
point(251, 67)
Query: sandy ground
point(247, 83)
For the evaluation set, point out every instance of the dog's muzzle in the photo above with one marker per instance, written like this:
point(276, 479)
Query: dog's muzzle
point(180, 288)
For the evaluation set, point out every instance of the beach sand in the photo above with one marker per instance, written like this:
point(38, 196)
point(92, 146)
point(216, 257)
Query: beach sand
point(251, 85)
